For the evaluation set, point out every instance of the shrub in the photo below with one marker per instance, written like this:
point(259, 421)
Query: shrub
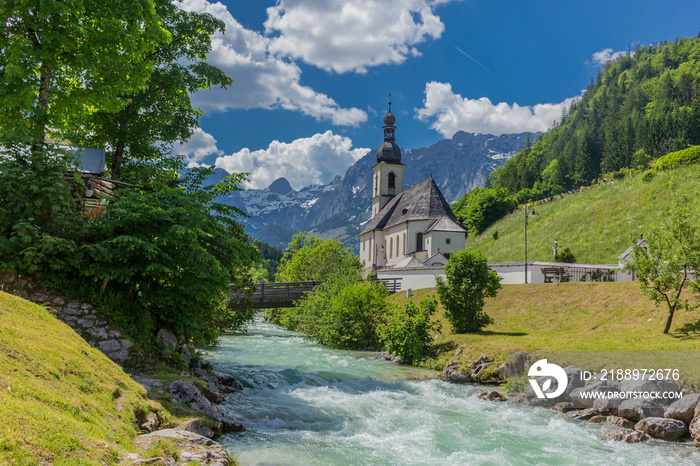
point(469, 281)
point(648, 176)
point(481, 207)
point(406, 331)
point(565, 256)
point(689, 156)
point(343, 315)
point(495, 235)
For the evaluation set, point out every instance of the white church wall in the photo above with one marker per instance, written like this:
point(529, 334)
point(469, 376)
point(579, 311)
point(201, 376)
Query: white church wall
point(414, 279)
point(445, 242)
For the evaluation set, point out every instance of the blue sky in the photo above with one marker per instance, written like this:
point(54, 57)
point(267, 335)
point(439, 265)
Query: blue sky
point(312, 77)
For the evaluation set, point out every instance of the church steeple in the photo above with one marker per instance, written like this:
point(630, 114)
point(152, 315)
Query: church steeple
point(389, 152)
point(388, 173)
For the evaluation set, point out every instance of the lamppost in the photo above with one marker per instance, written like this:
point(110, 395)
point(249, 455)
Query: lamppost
point(527, 214)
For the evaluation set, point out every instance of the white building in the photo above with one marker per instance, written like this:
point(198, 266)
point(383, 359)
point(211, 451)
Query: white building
point(414, 226)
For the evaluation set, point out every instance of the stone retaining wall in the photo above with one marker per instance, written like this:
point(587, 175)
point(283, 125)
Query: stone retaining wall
point(98, 330)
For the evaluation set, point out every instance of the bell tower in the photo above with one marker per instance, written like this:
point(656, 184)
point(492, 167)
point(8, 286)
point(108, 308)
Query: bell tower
point(387, 178)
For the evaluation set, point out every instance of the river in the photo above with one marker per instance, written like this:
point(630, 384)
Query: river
point(304, 404)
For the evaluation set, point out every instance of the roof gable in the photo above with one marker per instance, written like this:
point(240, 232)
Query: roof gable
point(422, 201)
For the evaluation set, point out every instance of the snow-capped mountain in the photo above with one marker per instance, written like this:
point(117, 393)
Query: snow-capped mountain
point(339, 208)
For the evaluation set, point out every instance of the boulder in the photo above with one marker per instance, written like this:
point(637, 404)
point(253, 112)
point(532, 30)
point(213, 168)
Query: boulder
point(586, 401)
point(492, 395)
point(186, 392)
point(647, 385)
point(185, 355)
point(609, 406)
point(197, 427)
point(683, 409)
point(166, 340)
point(627, 436)
point(584, 414)
point(694, 429)
point(637, 409)
point(564, 407)
point(662, 428)
point(451, 374)
point(192, 447)
point(229, 385)
point(619, 422)
point(151, 423)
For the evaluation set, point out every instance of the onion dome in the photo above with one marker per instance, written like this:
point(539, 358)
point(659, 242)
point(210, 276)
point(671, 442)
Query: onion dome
point(389, 152)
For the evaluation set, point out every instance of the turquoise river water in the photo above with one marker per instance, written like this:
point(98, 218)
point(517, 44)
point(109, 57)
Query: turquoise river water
point(304, 404)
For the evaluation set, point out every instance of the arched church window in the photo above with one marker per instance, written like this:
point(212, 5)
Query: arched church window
point(391, 246)
point(398, 240)
point(404, 243)
point(419, 241)
point(376, 183)
point(392, 180)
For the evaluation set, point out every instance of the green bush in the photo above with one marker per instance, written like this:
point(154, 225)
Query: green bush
point(648, 176)
point(689, 156)
point(469, 281)
point(495, 235)
point(342, 315)
point(565, 256)
point(481, 207)
point(406, 331)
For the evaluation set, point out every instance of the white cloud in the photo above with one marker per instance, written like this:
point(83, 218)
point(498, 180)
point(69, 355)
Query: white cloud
point(342, 35)
point(314, 160)
point(199, 146)
point(261, 79)
point(605, 55)
point(449, 112)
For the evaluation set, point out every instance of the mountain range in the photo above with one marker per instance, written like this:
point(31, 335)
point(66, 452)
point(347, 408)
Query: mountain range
point(340, 208)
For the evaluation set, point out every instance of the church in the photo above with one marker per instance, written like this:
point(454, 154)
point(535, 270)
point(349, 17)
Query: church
point(410, 228)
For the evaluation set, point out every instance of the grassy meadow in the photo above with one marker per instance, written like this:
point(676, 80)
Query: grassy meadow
point(578, 316)
point(596, 223)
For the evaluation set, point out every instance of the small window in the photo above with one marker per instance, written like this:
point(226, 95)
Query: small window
point(419, 241)
point(448, 241)
point(404, 212)
point(392, 180)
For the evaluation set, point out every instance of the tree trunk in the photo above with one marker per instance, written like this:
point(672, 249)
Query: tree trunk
point(117, 158)
point(669, 320)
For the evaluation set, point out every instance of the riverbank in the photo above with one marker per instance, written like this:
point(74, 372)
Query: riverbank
point(567, 317)
point(306, 404)
point(63, 402)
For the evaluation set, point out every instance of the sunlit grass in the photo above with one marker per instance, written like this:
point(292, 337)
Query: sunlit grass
point(61, 401)
point(596, 224)
point(574, 316)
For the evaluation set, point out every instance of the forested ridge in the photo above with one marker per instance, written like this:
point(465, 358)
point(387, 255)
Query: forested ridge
point(640, 107)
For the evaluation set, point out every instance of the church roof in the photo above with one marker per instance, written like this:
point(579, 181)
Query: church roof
point(409, 262)
point(445, 224)
point(422, 201)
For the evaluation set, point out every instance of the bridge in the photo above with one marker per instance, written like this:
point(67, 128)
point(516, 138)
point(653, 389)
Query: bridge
point(270, 295)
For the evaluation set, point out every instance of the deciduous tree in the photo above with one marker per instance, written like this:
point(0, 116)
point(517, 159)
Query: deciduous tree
point(670, 262)
point(469, 281)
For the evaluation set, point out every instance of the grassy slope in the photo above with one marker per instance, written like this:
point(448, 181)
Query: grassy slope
point(575, 317)
point(596, 224)
point(61, 401)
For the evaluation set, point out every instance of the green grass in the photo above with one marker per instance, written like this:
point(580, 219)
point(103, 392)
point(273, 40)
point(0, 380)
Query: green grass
point(596, 224)
point(61, 401)
point(579, 316)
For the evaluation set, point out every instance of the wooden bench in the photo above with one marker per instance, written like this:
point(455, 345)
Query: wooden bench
point(559, 273)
